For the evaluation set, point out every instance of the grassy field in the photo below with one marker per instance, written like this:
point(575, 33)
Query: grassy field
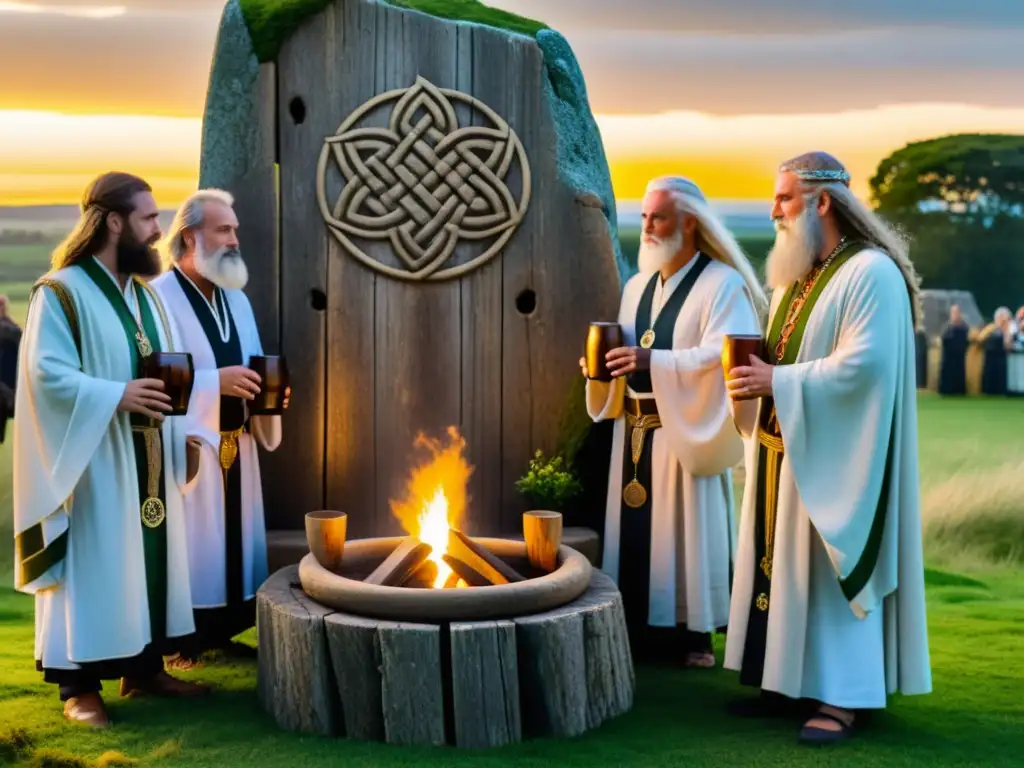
point(969, 457)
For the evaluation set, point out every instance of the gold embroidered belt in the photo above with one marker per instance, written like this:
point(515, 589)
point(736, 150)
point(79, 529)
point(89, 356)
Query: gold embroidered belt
point(229, 447)
point(153, 510)
point(641, 418)
point(773, 460)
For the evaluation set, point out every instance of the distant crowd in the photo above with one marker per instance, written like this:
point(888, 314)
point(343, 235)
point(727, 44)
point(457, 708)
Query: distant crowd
point(10, 338)
point(988, 360)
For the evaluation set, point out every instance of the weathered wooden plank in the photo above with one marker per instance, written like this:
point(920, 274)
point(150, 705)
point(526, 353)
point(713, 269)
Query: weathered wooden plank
point(499, 60)
point(418, 356)
point(295, 677)
point(485, 684)
point(552, 673)
point(355, 657)
point(609, 665)
point(306, 77)
point(412, 696)
point(481, 343)
point(350, 459)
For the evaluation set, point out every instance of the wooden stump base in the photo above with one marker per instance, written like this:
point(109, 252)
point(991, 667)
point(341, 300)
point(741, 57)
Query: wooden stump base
point(472, 684)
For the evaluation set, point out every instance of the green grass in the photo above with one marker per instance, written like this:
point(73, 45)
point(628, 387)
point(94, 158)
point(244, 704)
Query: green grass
point(270, 22)
point(21, 264)
point(973, 505)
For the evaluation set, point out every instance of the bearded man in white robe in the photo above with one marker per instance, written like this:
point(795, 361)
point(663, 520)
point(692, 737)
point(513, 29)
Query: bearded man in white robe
point(98, 471)
point(669, 534)
point(224, 514)
point(828, 601)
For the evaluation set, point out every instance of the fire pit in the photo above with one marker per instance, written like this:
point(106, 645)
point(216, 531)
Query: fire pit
point(439, 638)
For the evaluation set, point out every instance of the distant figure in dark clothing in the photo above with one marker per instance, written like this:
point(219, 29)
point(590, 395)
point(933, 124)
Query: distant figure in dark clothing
point(921, 351)
point(10, 339)
point(953, 376)
point(995, 341)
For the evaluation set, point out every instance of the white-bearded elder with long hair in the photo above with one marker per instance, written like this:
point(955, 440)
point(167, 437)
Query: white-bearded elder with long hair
point(224, 518)
point(828, 599)
point(668, 540)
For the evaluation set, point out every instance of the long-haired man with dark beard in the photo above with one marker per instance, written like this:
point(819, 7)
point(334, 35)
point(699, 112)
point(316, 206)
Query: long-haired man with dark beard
point(828, 601)
point(99, 472)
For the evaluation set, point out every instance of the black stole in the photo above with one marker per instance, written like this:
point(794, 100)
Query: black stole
point(232, 416)
point(635, 523)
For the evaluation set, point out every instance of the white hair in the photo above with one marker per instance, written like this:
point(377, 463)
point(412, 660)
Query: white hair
point(713, 238)
point(191, 216)
point(855, 219)
point(1003, 313)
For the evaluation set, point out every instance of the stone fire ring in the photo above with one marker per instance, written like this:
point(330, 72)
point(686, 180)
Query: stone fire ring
point(470, 683)
point(566, 583)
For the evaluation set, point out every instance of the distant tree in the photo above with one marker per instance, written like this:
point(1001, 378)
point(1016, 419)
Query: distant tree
point(961, 198)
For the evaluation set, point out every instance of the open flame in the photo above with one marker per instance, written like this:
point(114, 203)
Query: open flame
point(436, 496)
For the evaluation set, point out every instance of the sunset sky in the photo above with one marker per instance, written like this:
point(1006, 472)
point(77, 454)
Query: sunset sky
point(719, 90)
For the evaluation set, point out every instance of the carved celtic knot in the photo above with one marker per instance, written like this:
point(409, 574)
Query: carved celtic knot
point(424, 183)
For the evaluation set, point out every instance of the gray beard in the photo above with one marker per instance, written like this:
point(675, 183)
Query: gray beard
point(797, 246)
point(651, 258)
point(225, 267)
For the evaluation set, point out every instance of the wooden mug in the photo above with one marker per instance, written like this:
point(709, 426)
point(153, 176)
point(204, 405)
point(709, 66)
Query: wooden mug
point(601, 338)
point(737, 350)
point(176, 371)
point(325, 534)
point(542, 530)
point(274, 380)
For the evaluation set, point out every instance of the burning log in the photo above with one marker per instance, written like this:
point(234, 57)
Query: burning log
point(461, 570)
point(423, 577)
point(476, 565)
point(399, 565)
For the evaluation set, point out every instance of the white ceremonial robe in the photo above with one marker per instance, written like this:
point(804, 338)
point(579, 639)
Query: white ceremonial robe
point(204, 507)
point(75, 471)
point(692, 526)
point(835, 407)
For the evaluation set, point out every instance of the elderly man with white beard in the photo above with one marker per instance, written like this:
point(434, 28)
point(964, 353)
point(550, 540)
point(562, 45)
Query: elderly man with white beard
point(224, 514)
point(828, 602)
point(668, 538)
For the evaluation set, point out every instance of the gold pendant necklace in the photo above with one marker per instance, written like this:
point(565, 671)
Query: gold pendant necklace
point(647, 340)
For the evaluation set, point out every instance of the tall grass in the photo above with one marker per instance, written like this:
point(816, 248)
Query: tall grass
point(976, 521)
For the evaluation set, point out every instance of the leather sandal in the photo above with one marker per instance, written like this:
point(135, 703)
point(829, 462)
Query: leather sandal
point(814, 734)
point(163, 685)
point(87, 709)
point(700, 660)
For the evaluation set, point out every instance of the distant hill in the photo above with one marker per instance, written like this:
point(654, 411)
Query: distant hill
point(744, 218)
point(55, 220)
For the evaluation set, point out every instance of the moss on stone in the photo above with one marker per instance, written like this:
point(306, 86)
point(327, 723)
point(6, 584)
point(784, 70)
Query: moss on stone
point(270, 22)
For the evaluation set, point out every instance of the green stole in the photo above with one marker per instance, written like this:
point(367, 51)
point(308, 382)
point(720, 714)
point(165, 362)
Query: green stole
point(858, 578)
point(154, 538)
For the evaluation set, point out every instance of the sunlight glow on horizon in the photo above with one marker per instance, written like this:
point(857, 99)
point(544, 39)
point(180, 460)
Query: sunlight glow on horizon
point(49, 157)
point(88, 12)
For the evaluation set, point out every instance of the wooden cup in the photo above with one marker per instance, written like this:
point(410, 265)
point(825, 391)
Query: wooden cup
point(736, 351)
point(325, 535)
point(601, 338)
point(542, 531)
point(274, 380)
point(176, 371)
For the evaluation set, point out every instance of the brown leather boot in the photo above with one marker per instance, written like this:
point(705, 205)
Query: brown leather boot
point(162, 684)
point(87, 709)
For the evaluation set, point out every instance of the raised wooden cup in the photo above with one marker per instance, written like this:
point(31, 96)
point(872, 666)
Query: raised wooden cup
point(274, 380)
point(176, 371)
point(325, 533)
point(737, 350)
point(542, 531)
point(601, 338)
